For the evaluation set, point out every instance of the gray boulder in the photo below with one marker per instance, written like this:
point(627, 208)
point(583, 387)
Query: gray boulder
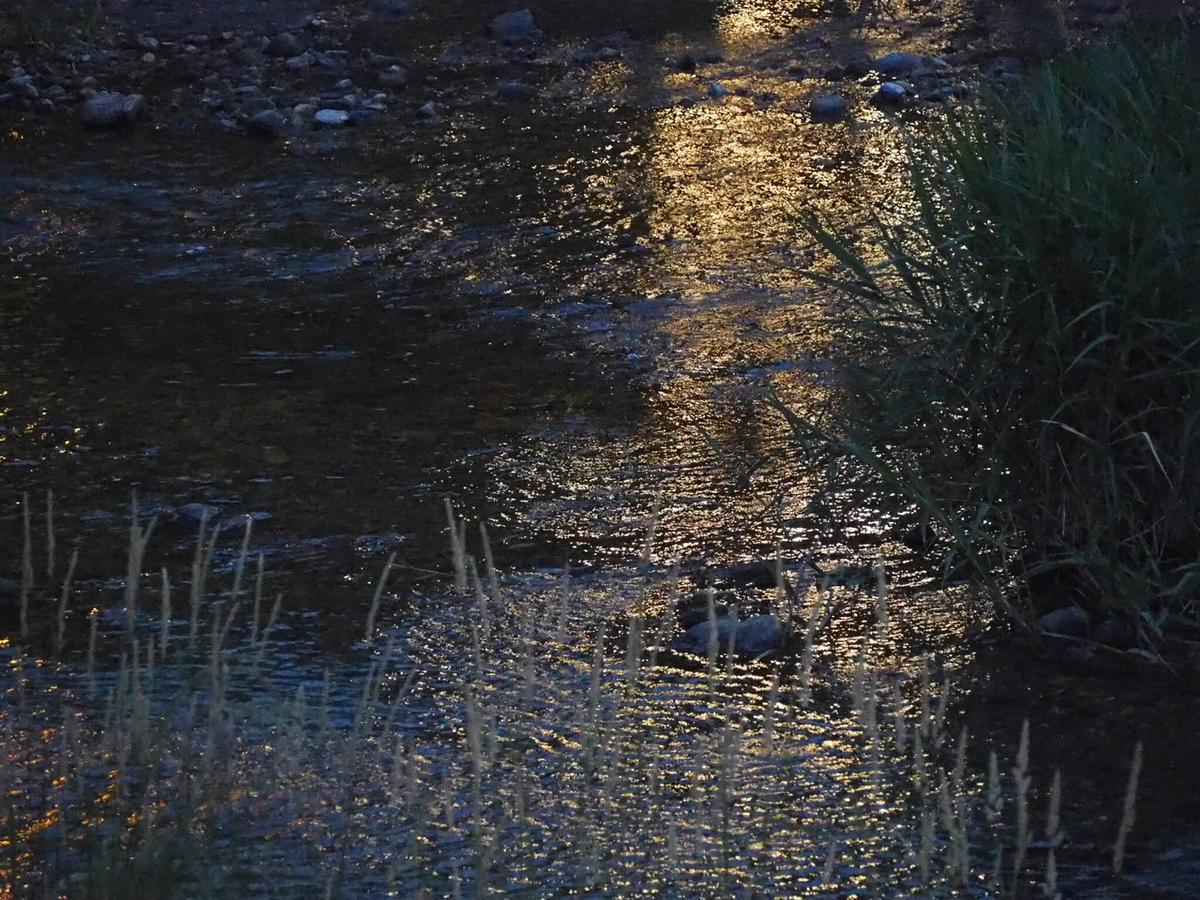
point(111, 110)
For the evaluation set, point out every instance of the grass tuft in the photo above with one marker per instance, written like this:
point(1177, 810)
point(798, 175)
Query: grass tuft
point(1021, 349)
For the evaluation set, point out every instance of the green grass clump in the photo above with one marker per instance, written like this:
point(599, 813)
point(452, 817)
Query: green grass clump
point(1025, 362)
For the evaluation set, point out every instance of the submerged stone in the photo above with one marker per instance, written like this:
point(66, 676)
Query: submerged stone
point(268, 124)
point(514, 27)
point(698, 634)
point(516, 91)
point(760, 634)
point(111, 110)
point(828, 108)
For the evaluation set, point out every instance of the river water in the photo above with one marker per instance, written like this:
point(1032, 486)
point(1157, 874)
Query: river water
point(561, 315)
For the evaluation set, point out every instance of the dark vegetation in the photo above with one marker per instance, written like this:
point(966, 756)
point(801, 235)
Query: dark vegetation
point(1024, 363)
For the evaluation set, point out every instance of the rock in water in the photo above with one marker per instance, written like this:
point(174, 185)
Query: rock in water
point(514, 27)
point(760, 634)
point(394, 77)
point(283, 45)
point(22, 86)
point(891, 92)
point(111, 110)
point(1070, 621)
point(331, 118)
point(516, 91)
point(828, 108)
point(269, 123)
point(698, 634)
point(898, 63)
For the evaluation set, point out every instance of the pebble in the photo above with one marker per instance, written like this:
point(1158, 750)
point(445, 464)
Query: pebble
point(891, 92)
point(828, 107)
point(394, 77)
point(283, 45)
point(268, 124)
point(331, 118)
point(514, 27)
point(23, 86)
point(514, 91)
point(899, 63)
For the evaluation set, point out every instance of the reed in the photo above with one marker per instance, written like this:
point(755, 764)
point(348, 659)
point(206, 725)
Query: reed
point(524, 774)
point(1128, 810)
point(1018, 349)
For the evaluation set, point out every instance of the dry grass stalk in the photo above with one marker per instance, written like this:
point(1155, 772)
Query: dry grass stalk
point(26, 566)
point(380, 586)
point(1128, 810)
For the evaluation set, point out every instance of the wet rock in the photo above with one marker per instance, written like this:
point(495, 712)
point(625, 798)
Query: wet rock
point(430, 111)
point(514, 27)
point(1116, 632)
point(1003, 67)
point(239, 522)
point(760, 634)
point(516, 91)
point(891, 93)
point(693, 610)
point(898, 63)
point(717, 91)
point(195, 513)
point(377, 543)
point(698, 635)
point(394, 77)
point(22, 86)
point(283, 45)
point(684, 62)
point(948, 92)
point(1069, 621)
point(111, 110)
point(391, 9)
point(300, 62)
point(754, 574)
point(268, 124)
point(828, 108)
point(331, 118)
point(146, 42)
